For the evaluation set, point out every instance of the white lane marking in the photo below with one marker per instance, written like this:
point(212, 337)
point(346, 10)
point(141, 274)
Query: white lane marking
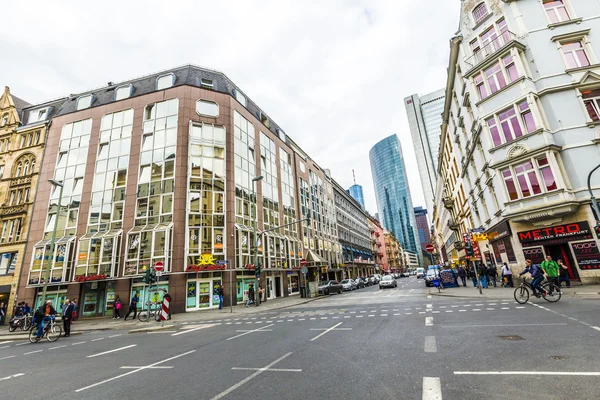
point(133, 371)
point(31, 352)
point(4, 347)
point(428, 321)
point(519, 307)
point(57, 347)
point(430, 345)
point(428, 297)
point(499, 325)
point(596, 328)
point(490, 309)
point(246, 330)
point(421, 312)
point(326, 331)
point(304, 319)
point(158, 367)
point(396, 314)
point(435, 312)
point(254, 375)
point(4, 358)
point(76, 343)
point(111, 351)
point(267, 369)
point(11, 376)
point(408, 313)
point(551, 373)
point(95, 340)
point(505, 308)
point(347, 316)
point(449, 311)
point(443, 307)
point(477, 309)
point(429, 305)
point(193, 329)
point(112, 336)
point(432, 388)
point(21, 344)
point(262, 328)
point(370, 315)
point(8, 341)
point(462, 310)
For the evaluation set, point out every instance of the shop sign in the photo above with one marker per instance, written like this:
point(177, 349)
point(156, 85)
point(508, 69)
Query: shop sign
point(85, 278)
point(535, 254)
point(499, 231)
point(206, 262)
point(587, 254)
point(577, 229)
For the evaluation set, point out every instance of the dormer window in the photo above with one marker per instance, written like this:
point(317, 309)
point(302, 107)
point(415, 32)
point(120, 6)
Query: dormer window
point(37, 115)
point(479, 13)
point(4, 120)
point(165, 81)
point(85, 102)
point(240, 97)
point(123, 92)
point(207, 83)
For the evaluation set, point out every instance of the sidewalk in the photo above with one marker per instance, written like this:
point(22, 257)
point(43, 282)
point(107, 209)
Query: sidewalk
point(99, 324)
point(582, 292)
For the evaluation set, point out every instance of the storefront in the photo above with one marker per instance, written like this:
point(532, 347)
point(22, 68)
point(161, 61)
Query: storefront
point(573, 243)
point(154, 293)
point(58, 295)
point(203, 291)
point(499, 239)
point(243, 282)
point(293, 278)
point(94, 302)
point(274, 284)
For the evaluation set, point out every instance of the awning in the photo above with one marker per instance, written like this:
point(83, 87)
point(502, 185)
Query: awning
point(314, 257)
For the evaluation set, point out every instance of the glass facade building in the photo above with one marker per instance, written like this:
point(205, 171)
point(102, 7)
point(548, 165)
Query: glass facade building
point(393, 193)
point(356, 191)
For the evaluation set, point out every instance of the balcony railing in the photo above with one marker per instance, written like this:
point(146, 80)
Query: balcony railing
point(448, 203)
point(490, 48)
point(452, 224)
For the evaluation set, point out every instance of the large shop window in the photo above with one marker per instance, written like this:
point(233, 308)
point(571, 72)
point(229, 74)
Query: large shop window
point(511, 124)
point(8, 263)
point(60, 265)
point(530, 178)
point(98, 255)
point(147, 245)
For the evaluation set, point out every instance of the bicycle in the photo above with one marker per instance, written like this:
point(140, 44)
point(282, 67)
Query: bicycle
point(550, 292)
point(52, 331)
point(149, 312)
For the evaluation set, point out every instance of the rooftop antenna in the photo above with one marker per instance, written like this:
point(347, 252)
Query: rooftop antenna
point(353, 176)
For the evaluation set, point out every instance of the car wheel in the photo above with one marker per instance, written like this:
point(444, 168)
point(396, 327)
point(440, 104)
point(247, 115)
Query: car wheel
point(326, 292)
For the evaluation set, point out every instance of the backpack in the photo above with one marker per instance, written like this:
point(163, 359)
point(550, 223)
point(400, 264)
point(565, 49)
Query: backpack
point(536, 271)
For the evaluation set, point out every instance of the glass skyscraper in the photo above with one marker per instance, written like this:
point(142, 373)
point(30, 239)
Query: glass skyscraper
point(393, 193)
point(356, 191)
point(425, 119)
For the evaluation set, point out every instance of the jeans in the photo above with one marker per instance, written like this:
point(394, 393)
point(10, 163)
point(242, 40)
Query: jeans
point(220, 302)
point(554, 279)
point(474, 281)
point(464, 281)
point(492, 280)
point(483, 280)
point(564, 279)
point(535, 283)
point(40, 330)
point(250, 300)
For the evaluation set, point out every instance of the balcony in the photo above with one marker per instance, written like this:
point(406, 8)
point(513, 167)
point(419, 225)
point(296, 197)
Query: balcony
point(448, 203)
point(490, 49)
point(459, 245)
point(452, 224)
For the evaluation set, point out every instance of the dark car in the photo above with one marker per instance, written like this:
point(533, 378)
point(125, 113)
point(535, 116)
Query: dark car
point(329, 287)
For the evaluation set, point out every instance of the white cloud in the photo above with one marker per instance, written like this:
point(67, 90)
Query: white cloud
point(332, 73)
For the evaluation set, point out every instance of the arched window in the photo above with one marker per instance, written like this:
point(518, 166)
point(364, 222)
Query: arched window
point(32, 166)
point(19, 169)
point(26, 168)
point(480, 12)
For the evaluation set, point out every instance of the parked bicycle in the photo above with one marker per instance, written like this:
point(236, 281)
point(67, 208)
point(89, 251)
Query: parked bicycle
point(52, 331)
point(550, 292)
point(24, 323)
point(152, 311)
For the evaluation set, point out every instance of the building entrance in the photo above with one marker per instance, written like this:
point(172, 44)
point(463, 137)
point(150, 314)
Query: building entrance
point(562, 252)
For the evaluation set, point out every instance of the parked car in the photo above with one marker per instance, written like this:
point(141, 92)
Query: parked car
point(348, 284)
point(329, 287)
point(377, 278)
point(368, 281)
point(431, 275)
point(387, 281)
point(359, 283)
point(406, 274)
point(420, 273)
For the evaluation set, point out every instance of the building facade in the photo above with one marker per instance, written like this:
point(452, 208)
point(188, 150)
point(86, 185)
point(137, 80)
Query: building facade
point(392, 192)
point(356, 191)
point(520, 134)
point(377, 246)
point(425, 119)
point(175, 168)
point(394, 250)
point(424, 229)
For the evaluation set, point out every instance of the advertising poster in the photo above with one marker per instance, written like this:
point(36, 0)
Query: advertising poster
point(587, 254)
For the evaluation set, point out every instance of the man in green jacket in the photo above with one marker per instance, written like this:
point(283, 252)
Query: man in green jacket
point(551, 269)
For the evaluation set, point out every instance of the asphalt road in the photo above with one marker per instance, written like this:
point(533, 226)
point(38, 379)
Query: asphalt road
point(371, 343)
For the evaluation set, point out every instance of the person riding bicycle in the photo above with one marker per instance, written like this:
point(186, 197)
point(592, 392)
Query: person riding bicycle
point(43, 314)
point(537, 276)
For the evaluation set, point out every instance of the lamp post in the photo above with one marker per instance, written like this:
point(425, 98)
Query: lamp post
point(592, 197)
point(52, 239)
point(256, 294)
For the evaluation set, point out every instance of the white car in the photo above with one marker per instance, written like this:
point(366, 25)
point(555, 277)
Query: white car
point(420, 273)
point(387, 281)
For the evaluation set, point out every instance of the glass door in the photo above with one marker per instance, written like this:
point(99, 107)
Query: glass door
point(215, 298)
point(191, 295)
point(204, 294)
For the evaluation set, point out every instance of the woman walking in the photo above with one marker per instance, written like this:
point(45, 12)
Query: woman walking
point(507, 274)
point(117, 312)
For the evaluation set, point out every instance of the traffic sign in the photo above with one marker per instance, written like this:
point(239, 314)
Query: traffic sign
point(158, 266)
point(478, 230)
point(222, 262)
point(304, 270)
point(303, 262)
point(430, 248)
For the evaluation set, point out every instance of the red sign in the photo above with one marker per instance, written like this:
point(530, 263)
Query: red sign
point(303, 262)
point(556, 232)
point(587, 254)
point(198, 268)
point(159, 266)
point(430, 248)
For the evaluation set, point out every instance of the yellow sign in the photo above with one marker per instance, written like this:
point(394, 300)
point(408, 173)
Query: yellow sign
point(477, 237)
point(206, 259)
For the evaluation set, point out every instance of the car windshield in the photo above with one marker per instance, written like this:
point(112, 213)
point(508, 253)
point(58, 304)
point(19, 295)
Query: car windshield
point(324, 283)
point(346, 281)
point(431, 273)
point(387, 278)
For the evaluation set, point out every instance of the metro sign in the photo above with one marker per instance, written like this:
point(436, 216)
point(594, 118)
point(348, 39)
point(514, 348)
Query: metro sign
point(555, 232)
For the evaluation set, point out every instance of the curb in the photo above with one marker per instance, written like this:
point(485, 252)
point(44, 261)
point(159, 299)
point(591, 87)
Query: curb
point(151, 329)
point(26, 337)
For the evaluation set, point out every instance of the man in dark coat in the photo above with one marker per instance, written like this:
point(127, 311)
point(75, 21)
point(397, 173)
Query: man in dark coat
point(462, 274)
point(67, 317)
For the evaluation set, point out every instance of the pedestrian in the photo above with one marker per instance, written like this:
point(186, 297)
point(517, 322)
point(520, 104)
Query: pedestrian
point(220, 292)
point(260, 294)
point(550, 268)
point(117, 309)
point(2, 313)
point(482, 271)
point(27, 309)
point(133, 305)
point(492, 273)
point(250, 295)
point(67, 316)
point(473, 276)
point(74, 303)
point(462, 274)
point(507, 274)
point(563, 274)
point(19, 310)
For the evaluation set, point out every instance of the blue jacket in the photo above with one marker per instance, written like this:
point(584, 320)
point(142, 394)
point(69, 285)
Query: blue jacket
point(534, 270)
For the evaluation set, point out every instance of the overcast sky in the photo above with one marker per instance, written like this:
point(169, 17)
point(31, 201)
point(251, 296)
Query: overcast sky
point(333, 74)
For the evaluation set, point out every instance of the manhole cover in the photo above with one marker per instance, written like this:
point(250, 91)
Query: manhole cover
point(511, 337)
point(558, 357)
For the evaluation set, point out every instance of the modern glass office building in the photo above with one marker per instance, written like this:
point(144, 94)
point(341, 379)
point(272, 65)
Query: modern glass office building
point(393, 193)
point(356, 191)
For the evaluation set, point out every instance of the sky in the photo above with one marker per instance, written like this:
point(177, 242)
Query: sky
point(332, 73)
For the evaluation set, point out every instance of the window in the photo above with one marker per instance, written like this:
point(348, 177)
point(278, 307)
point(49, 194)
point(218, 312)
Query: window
point(165, 81)
point(575, 55)
point(8, 262)
point(22, 141)
point(123, 92)
point(41, 114)
point(85, 102)
point(479, 13)
point(207, 108)
point(496, 77)
point(4, 120)
point(37, 138)
point(1, 170)
point(556, 11)
point(206, 82)
point(530, 178)
point(239, 97)
point(591, 99)
point(511, 124)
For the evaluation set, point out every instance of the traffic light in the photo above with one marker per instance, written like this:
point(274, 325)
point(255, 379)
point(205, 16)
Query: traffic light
point(153, 277)
point(597, 230)
point(146, 278)
point(258, 270)
point(469, 248)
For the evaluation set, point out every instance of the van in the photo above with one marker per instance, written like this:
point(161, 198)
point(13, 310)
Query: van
point(420, 273)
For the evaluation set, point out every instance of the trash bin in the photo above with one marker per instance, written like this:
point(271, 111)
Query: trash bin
point(303, 292)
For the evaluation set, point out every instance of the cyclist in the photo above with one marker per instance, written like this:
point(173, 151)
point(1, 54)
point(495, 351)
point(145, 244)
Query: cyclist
point(537, 276)
point(41, 315)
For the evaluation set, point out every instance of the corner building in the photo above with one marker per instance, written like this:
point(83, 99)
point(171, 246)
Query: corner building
point(160, 169)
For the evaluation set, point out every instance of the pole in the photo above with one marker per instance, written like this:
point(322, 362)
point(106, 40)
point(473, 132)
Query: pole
point(52, 240)
point(594, 201)
point(256, 295)
point(230, 288)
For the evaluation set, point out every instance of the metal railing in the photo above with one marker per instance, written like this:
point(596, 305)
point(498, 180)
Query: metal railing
point(490, 48)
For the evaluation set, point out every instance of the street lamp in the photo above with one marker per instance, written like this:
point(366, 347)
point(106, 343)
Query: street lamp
point(256, 294)
point(592, 197)
point(55, 184)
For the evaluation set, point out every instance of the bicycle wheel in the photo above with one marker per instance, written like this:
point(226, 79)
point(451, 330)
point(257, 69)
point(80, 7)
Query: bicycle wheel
point(26, 324)
point(551, 292)
point(521, 295)
point(157, 315)
point(53, 333)
point(143, 316)
point(32, 334)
